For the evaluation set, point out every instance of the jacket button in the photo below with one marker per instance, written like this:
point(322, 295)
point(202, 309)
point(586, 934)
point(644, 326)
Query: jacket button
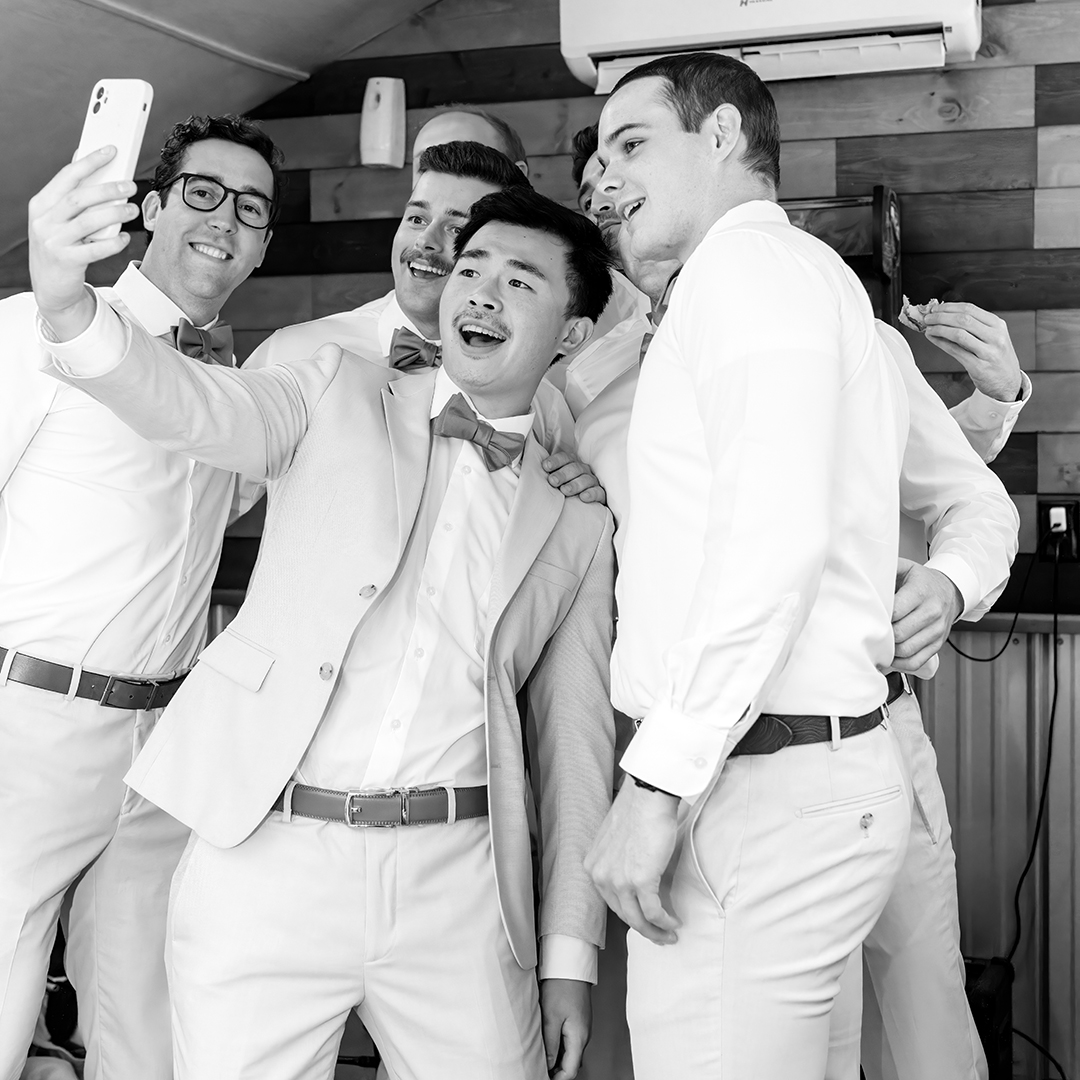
point(326, 672)
point(367, 592)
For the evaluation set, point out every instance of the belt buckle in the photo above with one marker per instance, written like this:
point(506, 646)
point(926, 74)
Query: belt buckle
point(356, 823)
point(110, 686)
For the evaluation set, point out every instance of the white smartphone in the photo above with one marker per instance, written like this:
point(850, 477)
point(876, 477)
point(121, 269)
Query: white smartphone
point(115, 116)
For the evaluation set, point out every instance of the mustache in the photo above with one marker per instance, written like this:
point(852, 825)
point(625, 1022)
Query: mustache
point(432, 260)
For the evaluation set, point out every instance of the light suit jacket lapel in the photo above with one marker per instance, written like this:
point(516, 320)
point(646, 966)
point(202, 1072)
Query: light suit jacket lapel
point(407, 405)
point(536, 509)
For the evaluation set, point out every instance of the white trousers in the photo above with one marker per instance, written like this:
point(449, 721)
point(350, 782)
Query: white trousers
point(66, 816)
point(273, 942)
point(908, 984)
point(785, 871)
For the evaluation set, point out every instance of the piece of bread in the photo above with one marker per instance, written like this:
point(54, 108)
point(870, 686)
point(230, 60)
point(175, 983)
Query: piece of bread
point(914, 315)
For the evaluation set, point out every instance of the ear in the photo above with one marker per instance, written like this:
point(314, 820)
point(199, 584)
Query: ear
point(725, 127)
point(151, 207)
point(576, 332)
point(265, 244)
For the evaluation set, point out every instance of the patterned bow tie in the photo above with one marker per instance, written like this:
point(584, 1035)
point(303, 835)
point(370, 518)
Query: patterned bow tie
point(458, 421)
point(410, 352)
point(657, 316)
point(213, 346)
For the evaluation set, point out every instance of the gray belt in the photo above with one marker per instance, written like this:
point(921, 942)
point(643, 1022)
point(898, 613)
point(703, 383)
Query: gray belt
point(386, 808)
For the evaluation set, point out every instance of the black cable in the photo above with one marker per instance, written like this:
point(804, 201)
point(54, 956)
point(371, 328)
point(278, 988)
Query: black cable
point(1042, 1050)
point(1046, 770)
point(1019, 604)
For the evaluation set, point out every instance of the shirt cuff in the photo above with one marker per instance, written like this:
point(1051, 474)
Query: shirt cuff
point(99, 349)
point(675, 752)
point(962, 576)
point(988, 413)
point(565, 957)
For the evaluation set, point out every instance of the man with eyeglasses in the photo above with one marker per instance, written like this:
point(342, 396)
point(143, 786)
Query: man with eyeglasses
point(108, 548)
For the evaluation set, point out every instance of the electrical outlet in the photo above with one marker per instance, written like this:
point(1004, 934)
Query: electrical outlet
point(1068, 545)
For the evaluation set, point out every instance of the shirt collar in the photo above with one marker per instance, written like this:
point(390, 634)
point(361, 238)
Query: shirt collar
point(754, 210)
point(157, 313)
point(393, 318)
point(446, 388)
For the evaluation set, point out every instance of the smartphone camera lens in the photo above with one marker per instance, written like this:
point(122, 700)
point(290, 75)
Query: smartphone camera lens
point(97, 106)
point(100, 92)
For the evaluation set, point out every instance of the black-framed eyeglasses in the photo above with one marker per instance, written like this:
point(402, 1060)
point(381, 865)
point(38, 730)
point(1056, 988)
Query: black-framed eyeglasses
point(204, 193)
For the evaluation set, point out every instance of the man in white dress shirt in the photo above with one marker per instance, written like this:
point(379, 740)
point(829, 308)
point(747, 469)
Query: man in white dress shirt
point(755, 662)
point(912, 956)
point(108, 548)
point(416, 567)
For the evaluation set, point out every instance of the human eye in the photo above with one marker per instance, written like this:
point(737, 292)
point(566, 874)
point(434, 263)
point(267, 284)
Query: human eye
point(202, 188)
point(517, 283)
point(630, 145)
point(467, 272)
point(416, 219)
point(252, 207)
point(454, 230)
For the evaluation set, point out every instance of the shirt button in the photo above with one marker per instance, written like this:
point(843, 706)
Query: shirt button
point(168, 637)
point(184, 580)
point(418, 654)
point(326, 672)
point(431, 590)
point(395, 724)
point(367, 592)
point(466, 469)
point(448, 527)
point(700, 762)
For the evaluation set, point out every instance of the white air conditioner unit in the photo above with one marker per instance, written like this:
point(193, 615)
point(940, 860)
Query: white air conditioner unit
point(779, 39)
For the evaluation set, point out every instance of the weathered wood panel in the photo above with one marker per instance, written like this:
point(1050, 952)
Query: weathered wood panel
point(940, 161)
point(1057, 340)
point(1059, 463)
point(1059, 156)
point(1057, 94)
point(1026, 508)
point(329, 247)
point(1054, 404)
point(343, 292)
point(317, 142)
point(1017, 466)
point(1044, 33)
point(479, 76)
point(449, 25)
point(966, 221)
point(997, 280)
point(266, 303)
point(808, 169)
point(1057, 218)
point(910, 102)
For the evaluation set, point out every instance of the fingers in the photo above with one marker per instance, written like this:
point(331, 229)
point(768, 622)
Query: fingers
point(913, 663)
point(574, 1039)
point(927, 640)
point(565, 473)
point(71, 176)
point(595, 494)
point(632, 913)
point(551, 1027)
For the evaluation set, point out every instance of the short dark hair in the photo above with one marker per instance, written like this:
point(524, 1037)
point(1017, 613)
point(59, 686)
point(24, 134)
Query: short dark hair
point(582, 147)
point(513, 147)
point(696, 83)
point(228, 127)
point(588, 263)
point(475, 161)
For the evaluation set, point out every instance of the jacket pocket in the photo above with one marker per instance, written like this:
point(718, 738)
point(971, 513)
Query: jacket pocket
point(555, 574)
point(857, 802)
point(239, 659)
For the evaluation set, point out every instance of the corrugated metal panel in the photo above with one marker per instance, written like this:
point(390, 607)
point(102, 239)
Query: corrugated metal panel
point(989, 726)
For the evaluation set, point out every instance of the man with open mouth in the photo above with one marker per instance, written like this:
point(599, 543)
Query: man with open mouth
point(402, 327)
point(417, 567)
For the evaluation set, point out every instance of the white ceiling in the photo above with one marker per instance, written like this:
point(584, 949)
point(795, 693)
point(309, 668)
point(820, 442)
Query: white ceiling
point(200, 56)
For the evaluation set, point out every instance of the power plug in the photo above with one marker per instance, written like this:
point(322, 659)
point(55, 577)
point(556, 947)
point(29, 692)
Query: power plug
point(1059, 518)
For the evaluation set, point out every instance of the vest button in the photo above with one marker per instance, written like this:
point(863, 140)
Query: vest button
point(326, 672)
point(367, 592)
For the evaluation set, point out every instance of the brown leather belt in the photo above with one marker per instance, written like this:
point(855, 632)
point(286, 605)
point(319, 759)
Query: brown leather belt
point(385, 809)
point(112, 691)
point(769, 732)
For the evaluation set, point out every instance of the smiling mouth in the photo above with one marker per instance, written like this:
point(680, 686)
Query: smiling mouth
point(480, 337)
point(211, 252)
point(630, 209)
point(425, 271)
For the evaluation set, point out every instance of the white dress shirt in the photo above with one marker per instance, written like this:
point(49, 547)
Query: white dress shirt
point(108, 543)
point(369, 330)
point(764, 457)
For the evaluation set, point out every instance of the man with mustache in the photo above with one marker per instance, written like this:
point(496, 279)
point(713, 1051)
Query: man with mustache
point(765, 639)
point(402, 328)
point(416, 568)
point(916, 1022)
point(109, 548)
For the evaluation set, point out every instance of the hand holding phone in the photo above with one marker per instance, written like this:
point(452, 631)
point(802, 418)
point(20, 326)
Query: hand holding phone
point(115, 116)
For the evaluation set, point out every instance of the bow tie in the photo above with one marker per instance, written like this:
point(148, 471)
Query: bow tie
point(410, 352)
point(214, 346)
point(657, 317)
point(458, 421)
